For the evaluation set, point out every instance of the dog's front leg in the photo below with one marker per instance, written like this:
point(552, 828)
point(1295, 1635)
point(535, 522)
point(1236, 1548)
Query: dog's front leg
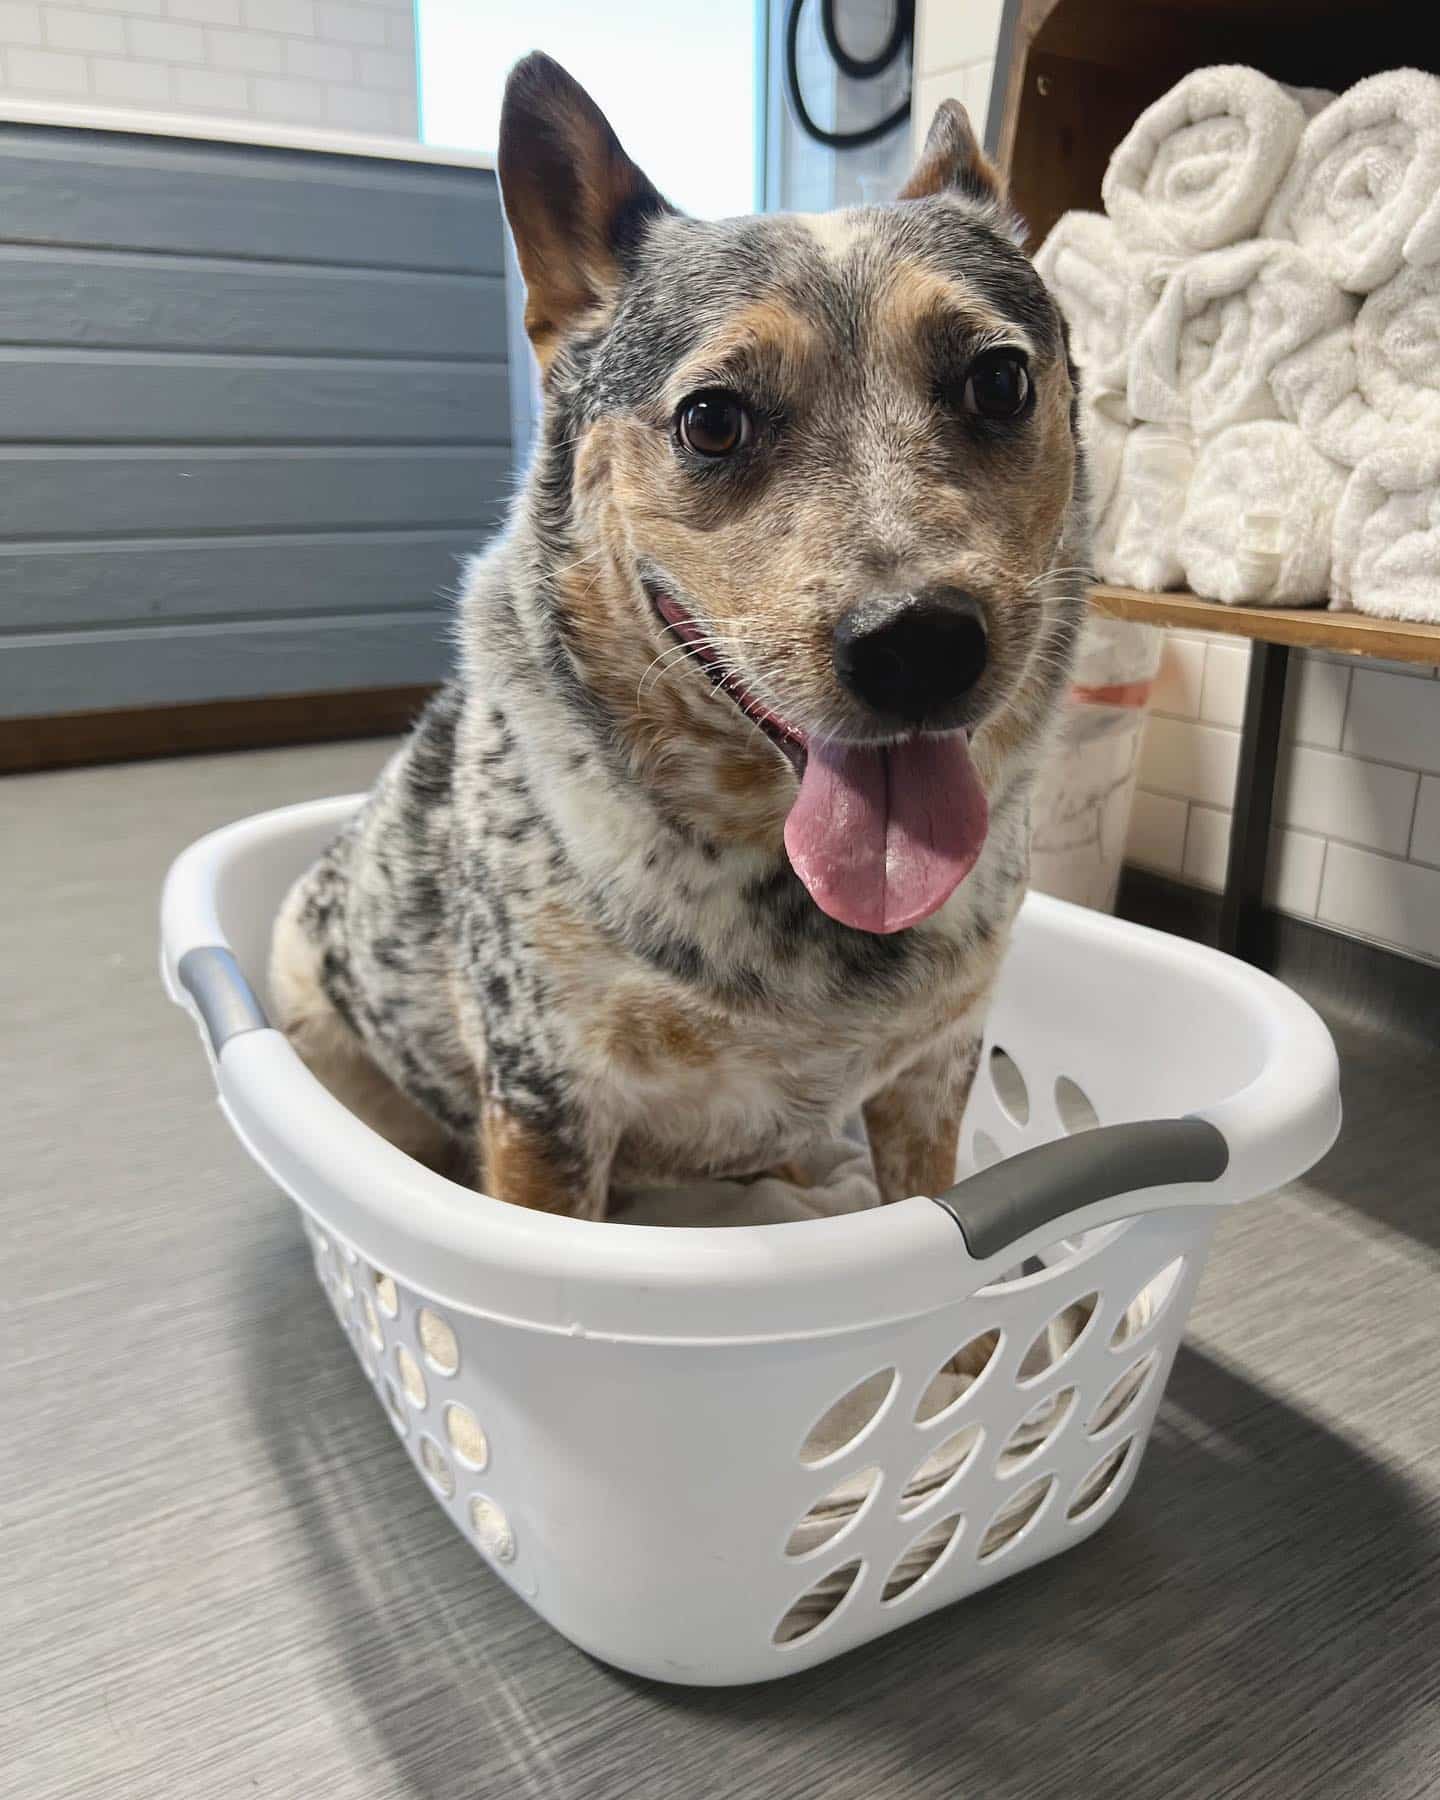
point(914, 1122)
point(529, 1166)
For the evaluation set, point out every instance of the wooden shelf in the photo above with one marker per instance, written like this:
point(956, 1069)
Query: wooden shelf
point(1348, 633)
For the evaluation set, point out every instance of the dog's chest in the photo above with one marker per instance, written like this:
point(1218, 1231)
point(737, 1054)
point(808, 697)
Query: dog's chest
point(719, 1026)
point(690, 1085)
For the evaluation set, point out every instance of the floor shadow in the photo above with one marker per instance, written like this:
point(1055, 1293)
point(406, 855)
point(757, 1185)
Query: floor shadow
point(1240, 1628)
point(436, 1654)
point(1388, 1154)
point(1252, 1601)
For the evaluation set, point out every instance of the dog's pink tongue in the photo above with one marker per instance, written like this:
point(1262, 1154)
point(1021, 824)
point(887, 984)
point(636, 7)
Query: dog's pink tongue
point(883, 837)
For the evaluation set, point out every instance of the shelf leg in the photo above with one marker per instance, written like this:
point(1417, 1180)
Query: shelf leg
point(1241, 903)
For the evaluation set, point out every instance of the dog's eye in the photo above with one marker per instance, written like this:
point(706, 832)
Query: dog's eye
point(997, 385)
point(714, 423)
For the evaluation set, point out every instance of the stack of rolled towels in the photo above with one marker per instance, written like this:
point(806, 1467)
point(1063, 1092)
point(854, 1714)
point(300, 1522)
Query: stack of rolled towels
point(1256, 320)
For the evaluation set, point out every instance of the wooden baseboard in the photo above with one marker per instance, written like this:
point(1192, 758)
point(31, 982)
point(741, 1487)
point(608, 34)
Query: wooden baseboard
point(1339, 973)
point(71, 740)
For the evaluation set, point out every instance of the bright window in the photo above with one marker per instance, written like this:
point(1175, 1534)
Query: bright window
point(678, 82)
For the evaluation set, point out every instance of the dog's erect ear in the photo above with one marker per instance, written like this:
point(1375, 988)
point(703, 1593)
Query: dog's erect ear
point(575, 201)
point(953, 162)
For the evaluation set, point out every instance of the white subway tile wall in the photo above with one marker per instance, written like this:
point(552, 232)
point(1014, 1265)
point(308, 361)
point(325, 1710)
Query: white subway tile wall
point(1207, 835)
point(1181, 680)
point(1393, 719)
point(1425, 838)
point(67, 28)
point(1157, 832)
point(20, 23)
point(1222, 697)
point(1357, 802)
point(1316, 693)
point(955, 44)
point(1189, 760)
point(969, 83)
point(1381, 897)
point(313, 62)
point(1292, 875)
point(1345, 797)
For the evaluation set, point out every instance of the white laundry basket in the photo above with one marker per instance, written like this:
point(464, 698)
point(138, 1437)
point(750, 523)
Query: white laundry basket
point(620, 1417)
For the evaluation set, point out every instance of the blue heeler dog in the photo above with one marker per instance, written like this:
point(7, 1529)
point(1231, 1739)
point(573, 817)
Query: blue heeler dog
point(719, 832)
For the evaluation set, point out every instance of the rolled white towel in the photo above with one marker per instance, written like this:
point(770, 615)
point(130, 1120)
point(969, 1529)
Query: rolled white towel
point(1223, 322)
point(1198, 168)
point(1259, 517)
point(1105, 290)
point(1422, 244)
point(1083, 263)
point(1386, 551)
point(1363, 193)
point(1137, 536)
point(1351, 389)
point(1105, 426)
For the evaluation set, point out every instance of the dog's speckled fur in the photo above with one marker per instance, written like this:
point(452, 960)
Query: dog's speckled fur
point(562, 944)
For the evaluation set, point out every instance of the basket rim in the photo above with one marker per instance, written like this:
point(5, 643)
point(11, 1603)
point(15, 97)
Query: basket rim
point(699, 1283)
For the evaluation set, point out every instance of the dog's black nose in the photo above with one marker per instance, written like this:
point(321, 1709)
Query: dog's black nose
point(915, 657)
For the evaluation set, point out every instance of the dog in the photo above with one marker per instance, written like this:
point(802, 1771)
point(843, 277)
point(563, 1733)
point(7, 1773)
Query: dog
point(718, 834)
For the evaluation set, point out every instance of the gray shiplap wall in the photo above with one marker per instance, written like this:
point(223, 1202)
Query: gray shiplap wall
point(253, 408)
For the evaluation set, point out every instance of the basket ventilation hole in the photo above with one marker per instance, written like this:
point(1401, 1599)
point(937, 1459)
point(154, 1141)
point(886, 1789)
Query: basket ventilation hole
point(1122, 1395)
point(372, 1322)
point(492, 1529)
point(397, 1411)
point(320, 1241)
point(1010, 1088)
point(438, 1341)
point(985, 1152)
point(921, 1557)
point(816, 1605)
point(833, 1512)
point(1076, 1110)
point(411, 1379)
point(1148, 1304)
point(342, 1272)
point(1058, 1338)
point(841, 1424)
point(1035, 1430)
point(939, 1469)
point(385, 1293)
point(467, 1440)
point(437, 1466)
point(1100, 1481)
point(1013, 1517)
point(956, 1376)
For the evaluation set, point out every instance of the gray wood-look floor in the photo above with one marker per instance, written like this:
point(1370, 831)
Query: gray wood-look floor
point(220, 1577)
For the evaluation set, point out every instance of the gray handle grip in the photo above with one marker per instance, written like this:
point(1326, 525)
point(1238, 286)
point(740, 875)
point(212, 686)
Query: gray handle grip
point(1003, 1204)
point(226, 1001)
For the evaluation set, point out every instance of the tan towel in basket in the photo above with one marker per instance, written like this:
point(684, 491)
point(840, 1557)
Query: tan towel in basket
point(837, 1179)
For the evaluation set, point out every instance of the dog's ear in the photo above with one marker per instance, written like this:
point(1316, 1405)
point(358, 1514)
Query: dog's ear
point(575, 201)
point(953, 162)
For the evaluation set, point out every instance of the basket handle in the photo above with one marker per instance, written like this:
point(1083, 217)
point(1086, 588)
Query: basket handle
point(1004, 1203)
point(223, 997)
